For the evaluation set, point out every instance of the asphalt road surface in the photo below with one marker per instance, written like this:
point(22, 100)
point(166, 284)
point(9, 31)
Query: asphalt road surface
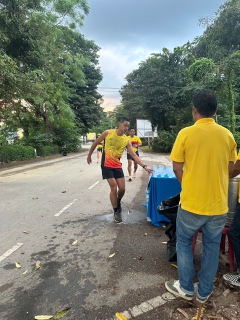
point(56, 214)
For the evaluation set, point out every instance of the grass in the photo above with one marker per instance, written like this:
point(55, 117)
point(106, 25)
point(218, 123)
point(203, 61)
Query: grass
point(146, 148)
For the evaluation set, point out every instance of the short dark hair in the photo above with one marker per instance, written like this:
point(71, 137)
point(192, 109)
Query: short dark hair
point(206, 103)
point(122, 119)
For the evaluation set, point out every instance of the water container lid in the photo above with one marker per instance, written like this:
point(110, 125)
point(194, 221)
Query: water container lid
point(237, 178)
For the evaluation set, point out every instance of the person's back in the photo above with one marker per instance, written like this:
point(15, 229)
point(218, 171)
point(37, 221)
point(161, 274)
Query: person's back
point(208, 148)
point(202, 155)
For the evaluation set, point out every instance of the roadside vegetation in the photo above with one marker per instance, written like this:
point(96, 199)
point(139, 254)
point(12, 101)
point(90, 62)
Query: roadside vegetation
point(162, 87)
point(50, 73)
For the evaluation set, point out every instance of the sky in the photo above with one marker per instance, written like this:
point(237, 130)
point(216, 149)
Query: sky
point(128, 31)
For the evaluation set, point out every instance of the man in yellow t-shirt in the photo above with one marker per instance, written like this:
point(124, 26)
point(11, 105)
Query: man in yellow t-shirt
point(136, 142)
point(115, 142)
point(203, 155)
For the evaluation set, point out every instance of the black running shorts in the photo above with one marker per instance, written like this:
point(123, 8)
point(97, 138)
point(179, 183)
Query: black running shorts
point(108, 173)
point(130, 158)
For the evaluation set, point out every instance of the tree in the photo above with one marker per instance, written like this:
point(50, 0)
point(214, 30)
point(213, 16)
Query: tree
point(160, 87)
point(49, 65)
point(222, 35)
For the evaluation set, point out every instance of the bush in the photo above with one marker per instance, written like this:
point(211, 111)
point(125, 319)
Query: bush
point(16, 153)
point(144, 142)
point(237, 138)
point(164, 142)
point(44, 151)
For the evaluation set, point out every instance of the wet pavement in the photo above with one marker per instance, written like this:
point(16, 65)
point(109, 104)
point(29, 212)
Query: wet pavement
point(112, 268)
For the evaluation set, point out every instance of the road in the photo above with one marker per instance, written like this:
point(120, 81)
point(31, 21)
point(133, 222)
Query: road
point(56, 214)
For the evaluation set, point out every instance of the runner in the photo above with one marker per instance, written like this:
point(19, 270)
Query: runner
point(136, 142)
point(99, 151)
point(115, 142)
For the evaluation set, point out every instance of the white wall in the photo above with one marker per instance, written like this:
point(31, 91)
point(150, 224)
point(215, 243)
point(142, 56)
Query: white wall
point(144, 129)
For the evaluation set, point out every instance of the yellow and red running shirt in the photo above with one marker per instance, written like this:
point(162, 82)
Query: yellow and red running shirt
point(135, 140)
point(113, 149)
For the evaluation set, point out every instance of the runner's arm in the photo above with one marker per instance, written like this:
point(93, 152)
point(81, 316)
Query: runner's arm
point(95, 143)
point(139, 142)
point(136, 158)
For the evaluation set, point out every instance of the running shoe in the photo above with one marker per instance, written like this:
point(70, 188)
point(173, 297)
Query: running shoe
point(117, 217)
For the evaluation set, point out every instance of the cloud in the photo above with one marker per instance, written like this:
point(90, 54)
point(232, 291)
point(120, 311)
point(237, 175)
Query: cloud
point(128, 31)
point(116, 63)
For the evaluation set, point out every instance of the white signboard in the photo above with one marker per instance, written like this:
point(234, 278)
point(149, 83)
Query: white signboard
point(144, 129)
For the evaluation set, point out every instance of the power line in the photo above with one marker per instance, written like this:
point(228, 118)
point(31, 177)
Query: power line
point(108, 88)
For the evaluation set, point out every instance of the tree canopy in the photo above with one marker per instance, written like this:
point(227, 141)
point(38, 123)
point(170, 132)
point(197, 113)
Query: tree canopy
point(162, 88)
point(49, 71)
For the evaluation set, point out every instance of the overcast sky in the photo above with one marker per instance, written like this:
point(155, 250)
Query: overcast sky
point(128, 31)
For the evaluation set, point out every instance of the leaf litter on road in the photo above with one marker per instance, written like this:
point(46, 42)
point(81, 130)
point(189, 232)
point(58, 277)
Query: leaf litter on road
point(37, 265)
point(56, 316)
point(112, 255)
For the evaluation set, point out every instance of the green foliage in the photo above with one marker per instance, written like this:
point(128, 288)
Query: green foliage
point(67, 139)
point(47, 69)
point(159, 87)
point(16, 153)
point(107, 121)
point(164, 142)
point(222, 35)
point(37, 141)
point(237, 138)
point(201, 68)
point(47, 150)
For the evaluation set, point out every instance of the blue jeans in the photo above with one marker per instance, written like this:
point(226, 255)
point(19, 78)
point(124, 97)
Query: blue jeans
point(187, 225)
point(235, 234)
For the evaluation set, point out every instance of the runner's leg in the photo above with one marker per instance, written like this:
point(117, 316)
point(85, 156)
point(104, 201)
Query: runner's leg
point(129, 169)
point(113, 191)
point(135, 169)
point(121, 187)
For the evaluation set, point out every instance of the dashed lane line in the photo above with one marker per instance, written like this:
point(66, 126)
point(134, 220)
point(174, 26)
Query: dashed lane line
point(93, 185)
point(10, 251)
point(146, 306)
point(65, 208)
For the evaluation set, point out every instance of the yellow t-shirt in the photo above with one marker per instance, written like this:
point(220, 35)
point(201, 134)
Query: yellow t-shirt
point(114, 147)
point(100, 145)
point(136, 141)
point(206, 149)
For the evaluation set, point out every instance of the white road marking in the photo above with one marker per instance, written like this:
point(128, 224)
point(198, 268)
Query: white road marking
point(146, 306)
point(10, 251)
point(65, 208)
point(93, 185)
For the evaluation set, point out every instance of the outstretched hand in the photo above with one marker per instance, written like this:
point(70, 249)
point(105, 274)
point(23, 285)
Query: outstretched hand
point(89, 159)
point(149, 170)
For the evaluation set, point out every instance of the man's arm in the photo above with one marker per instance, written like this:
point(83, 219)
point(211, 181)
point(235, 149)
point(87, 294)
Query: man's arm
point(234, 170)
point(139, 142)
point(136, 158)
point(95, 143)
point(178, 170)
